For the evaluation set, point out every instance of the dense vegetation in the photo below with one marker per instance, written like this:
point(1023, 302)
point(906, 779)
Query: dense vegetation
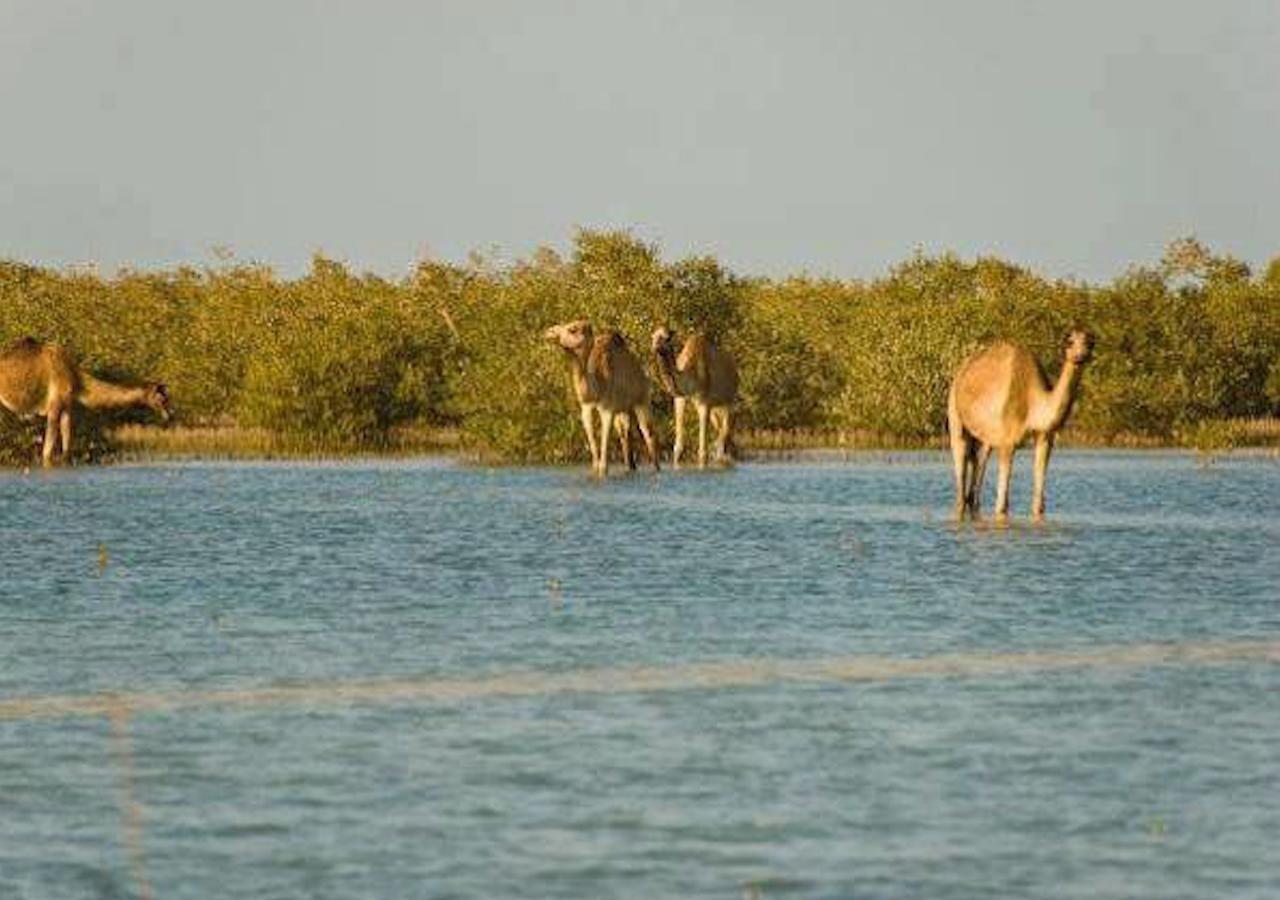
point(346, 359)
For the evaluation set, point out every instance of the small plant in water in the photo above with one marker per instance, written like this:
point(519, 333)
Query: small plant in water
point(555, 593)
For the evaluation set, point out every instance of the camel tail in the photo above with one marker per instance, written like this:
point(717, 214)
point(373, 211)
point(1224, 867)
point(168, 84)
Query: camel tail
point(953, 417)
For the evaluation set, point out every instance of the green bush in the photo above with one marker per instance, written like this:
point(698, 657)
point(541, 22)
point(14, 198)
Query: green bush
point(343, 359)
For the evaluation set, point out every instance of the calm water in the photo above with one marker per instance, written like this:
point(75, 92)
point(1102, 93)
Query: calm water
point(1089, 781)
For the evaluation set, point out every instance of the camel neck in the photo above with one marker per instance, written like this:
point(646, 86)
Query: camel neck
point(667, 370)
point(577, 360)
point(1063, 395)
point(98, 394)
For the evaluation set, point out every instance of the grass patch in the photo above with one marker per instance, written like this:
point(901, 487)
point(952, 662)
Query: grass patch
point(95, 443)
point(148, 442)
point(1230, 434)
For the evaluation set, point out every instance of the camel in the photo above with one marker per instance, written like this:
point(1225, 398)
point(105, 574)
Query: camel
point(999, 395)
point(39, 379)
point(608, 380)
point(587, 398)
point(705, 374)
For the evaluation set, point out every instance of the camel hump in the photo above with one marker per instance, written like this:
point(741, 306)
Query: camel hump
point(696, 356)
point(603, 348)
point(26, 344)
point(1024, 370)
point(32, 351)
point(999, 355)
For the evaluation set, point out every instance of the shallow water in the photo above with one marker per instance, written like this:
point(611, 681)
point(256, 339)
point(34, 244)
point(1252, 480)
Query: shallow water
point(780, 680)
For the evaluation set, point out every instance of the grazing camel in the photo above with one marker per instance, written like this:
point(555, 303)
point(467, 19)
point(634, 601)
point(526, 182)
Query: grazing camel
point(705, 374)
point(999, 395)
point(609, 380)
point(39, 379)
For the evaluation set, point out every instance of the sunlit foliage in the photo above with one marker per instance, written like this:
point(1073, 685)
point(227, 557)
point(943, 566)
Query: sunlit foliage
point(346, 358)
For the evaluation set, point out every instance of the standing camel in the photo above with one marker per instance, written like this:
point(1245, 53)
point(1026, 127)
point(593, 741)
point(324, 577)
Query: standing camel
point(609, 380)
point(999, 395)
point(705, 374)
point(39, 379)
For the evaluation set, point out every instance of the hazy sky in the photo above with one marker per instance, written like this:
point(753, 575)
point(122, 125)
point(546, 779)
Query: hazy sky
point(831, 137)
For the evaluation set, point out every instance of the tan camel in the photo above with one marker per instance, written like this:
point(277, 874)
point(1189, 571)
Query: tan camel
point(705, 374)
point(608, 380)
point(1000, 395)
point(585, 392)
point(38, 379)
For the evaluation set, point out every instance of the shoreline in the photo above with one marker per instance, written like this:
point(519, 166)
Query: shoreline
point(147, 443)
point(137, 443)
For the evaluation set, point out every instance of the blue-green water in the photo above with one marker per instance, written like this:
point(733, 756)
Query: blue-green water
point(1086, 781)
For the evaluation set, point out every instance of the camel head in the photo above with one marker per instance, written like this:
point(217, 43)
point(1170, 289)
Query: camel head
point(157, 398)
point(571, 336)
point(1079, 347)
point(663, 341)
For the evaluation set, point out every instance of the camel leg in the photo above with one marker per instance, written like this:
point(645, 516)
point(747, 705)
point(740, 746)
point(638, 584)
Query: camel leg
point(646, 429)
point(1002, 486)
point(606, 427)
point(633, 429)
point(960, 460)
point(588, 425)
point(723, 424)
point(730, 443)
point(678, 447)
point(1044, 447)
point(50, 437)
point(64, 421)
point(978, 476)
point(703, 413)
point(622, 425)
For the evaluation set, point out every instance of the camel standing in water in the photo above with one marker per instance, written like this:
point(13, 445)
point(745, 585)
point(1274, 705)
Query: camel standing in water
point(708, 376)
point(608, 380)
point(999, 395)
point(38, 379)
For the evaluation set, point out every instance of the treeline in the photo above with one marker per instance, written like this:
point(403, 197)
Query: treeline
point(347, 359)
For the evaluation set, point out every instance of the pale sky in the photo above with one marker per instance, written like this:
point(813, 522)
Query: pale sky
point(828, 137)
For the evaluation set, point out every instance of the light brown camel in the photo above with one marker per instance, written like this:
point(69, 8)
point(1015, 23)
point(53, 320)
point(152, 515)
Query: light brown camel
point(999, 395)
point(585, 391)
point(608, 380)
point(705, 374)
point(39, 379)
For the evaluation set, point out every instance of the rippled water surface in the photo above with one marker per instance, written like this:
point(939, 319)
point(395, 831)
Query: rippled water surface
point(782, 680)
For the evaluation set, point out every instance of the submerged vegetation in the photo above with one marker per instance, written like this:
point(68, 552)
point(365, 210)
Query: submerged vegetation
point(349, 362)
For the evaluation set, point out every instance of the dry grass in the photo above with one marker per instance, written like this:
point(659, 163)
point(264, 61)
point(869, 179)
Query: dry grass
point(228, 441)
point(1265, 431)
point(1227, 433)
point(148, 442)
point(767, 444)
